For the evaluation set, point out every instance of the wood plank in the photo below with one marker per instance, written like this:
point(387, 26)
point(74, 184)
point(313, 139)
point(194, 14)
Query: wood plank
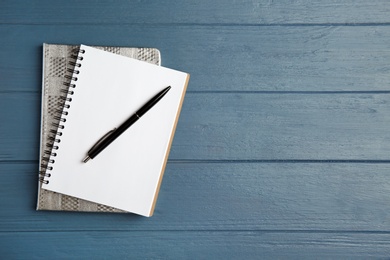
point(192, 245)
point(241, 126)
point(225, 197)
point(277, 58)
point(199, 12)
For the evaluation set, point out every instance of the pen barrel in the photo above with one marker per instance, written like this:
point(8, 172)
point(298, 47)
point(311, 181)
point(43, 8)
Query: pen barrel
point(145, 108)
point(107, 141)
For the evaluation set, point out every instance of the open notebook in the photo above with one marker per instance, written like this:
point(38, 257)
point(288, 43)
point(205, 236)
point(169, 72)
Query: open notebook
point(106, 89)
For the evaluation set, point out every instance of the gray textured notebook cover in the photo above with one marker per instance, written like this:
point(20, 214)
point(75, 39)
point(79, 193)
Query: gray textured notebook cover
point(56, 60)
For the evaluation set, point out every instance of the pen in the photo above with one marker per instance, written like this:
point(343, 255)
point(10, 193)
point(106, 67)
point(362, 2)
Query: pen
point(108, 138)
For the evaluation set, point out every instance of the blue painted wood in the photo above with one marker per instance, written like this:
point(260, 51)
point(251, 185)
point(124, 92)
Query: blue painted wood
point(243, 126)
point(195, 12)
point(297, 58)
point(194, 245)
point(284, 81)
point(225, 197)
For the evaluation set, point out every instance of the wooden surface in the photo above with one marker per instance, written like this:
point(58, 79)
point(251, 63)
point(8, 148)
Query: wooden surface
point(281, 151)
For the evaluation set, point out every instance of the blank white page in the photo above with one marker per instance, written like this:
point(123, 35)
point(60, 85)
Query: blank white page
point(109, 89)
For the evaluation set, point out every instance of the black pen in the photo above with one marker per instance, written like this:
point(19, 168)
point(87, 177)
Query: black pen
point(108, 138)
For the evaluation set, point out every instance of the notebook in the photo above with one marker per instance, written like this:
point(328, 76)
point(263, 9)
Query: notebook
point(106, 89)
point(56, 58)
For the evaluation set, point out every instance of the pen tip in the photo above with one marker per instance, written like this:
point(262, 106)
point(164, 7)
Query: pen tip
point(86, 159)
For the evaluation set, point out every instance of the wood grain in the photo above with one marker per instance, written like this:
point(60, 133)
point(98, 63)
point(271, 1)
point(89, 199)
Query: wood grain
point(195, 12)
point(242, 126)
point(225, 197)
point(298, 58)
point(205, 245)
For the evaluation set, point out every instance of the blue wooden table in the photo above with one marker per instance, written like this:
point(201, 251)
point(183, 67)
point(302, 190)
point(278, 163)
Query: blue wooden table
point(283, 144)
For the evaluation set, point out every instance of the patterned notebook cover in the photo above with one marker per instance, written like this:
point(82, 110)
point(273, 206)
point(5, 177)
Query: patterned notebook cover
point(56, 60)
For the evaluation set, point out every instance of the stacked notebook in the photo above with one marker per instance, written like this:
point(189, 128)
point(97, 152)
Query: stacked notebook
point(87, 93)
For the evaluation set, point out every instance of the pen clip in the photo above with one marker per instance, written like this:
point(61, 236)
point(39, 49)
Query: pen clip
point(101, 139)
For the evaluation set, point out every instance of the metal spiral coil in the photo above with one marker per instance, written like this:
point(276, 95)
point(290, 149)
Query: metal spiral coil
point(60, 116)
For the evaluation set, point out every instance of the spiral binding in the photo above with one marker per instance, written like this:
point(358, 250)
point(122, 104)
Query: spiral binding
point(60, 116)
